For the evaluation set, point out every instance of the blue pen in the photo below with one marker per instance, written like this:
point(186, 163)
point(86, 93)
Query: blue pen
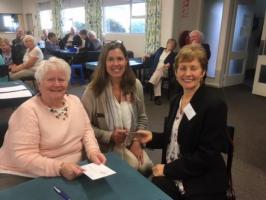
point(61, 193)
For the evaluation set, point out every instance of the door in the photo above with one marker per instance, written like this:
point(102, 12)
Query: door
point(240, 31)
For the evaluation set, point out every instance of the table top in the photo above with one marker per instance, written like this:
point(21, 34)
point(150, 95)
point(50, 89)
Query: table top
point(127, 184)
point(14, 101)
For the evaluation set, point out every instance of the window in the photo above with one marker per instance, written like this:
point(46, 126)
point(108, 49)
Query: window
point(46, 19)
point(73, 17)
point(127, 16)
point(8, 22)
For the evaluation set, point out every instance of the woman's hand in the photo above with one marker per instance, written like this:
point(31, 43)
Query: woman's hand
point(119, 135)
point(16, 68)
point(98, 158)
point(158, 169)
point(70, 170)
point(144, 136)
point(136, 149)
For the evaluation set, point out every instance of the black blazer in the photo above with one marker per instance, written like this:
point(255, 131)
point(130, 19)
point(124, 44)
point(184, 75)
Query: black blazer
point(201, 140)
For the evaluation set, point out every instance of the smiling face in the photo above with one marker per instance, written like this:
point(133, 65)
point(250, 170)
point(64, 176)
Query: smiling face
point(53, 87)
point(190, 74)
point(116, 64)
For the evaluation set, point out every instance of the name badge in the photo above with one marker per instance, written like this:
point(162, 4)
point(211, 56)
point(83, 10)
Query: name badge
point(189, 111)
point(99, 115)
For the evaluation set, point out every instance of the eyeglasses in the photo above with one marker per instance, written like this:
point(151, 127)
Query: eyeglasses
point(112, 42)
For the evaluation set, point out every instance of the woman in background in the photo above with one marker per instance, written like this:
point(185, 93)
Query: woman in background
point(115, 104)
point(162, 61)
point(31, 60)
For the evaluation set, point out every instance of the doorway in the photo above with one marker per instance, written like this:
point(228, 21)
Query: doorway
point(240, 31)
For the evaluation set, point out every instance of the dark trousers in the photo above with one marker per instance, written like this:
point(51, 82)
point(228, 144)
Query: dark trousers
point(169, 187)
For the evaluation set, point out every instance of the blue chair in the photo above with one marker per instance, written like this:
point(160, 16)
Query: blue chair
point(74, 78)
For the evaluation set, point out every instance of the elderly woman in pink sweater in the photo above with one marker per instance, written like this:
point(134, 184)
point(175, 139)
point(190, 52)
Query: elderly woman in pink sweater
point(47, 133)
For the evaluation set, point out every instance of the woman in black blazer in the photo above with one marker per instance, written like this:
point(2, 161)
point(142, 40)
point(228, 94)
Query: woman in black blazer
point(194, 135)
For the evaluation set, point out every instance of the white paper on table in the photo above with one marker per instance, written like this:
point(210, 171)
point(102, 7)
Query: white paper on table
point(13, 88)
point(95, 171)
point(16, 94)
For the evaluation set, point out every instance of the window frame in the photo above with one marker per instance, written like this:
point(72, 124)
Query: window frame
point(130, 3)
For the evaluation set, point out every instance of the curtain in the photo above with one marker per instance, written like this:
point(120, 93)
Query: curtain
point(38, 21)
point(153, 25)
point(57, 17)
point(93, 16)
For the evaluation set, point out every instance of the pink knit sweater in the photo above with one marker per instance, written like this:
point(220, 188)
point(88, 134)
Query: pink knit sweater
point(36, 142)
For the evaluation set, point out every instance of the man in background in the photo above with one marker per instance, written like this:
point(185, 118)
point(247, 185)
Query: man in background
point(18, 48)
point(196, 37)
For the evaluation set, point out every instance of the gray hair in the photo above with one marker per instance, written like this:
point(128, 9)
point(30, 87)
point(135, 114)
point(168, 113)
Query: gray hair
point(51, 64)
point(198, 32)
point(91, 34)
point(29, 37)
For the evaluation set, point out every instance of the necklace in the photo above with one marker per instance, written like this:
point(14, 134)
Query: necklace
point(60, 113)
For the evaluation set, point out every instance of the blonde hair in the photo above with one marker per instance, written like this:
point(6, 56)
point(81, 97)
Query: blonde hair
point(191, 52)
point(29, 37)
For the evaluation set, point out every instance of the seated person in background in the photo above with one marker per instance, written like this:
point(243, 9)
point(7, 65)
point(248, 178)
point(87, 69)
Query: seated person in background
point(163, 60)
point(82, 41)
point(115, 104)
point(6, 51)
point(48, 134)
point(67, 40)
point(183, 39)
point(96, 43)
point(18, 48)
point(31, 60)
point(51, 45)
point(196, 37)
point(44, 35)
point(194, 135)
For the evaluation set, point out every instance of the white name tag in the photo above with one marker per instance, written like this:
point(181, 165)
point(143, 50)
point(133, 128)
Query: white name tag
point(189, 111)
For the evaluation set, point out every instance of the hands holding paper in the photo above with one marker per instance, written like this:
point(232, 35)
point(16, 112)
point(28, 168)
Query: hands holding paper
point(97, 158)
point(70, 170)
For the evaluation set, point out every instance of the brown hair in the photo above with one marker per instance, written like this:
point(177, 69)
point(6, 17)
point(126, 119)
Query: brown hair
point(100, 77)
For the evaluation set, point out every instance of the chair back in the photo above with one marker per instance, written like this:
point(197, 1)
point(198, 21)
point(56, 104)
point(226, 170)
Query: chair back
point(4, 71)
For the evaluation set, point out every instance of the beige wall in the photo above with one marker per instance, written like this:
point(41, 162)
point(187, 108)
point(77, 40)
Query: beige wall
point(190, 20)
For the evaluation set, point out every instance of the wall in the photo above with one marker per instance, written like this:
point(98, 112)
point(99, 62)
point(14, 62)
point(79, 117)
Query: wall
point(133, 42)
point(29, 7)
point(186, 18)
point(7, 6)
